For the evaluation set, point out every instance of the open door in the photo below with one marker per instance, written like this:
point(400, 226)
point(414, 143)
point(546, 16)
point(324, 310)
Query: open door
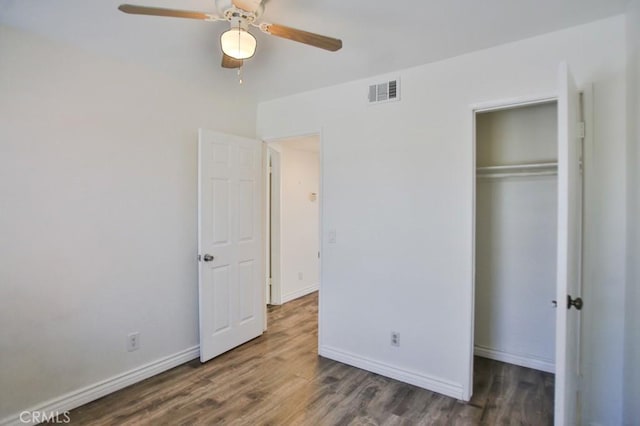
point(567, 397)
point(230, 242)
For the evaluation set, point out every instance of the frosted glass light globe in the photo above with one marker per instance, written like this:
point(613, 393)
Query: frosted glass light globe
point(238, 43)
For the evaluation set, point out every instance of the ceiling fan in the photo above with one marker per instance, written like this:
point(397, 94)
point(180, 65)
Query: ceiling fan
point(238, 43)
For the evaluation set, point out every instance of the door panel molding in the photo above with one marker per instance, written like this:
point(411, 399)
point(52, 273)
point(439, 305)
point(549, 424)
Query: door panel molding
point(230, 236)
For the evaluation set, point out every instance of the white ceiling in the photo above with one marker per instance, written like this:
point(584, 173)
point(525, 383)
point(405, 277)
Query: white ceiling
point(378, 37)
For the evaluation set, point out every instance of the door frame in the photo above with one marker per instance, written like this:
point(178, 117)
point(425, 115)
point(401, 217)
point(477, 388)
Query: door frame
point(475, 109)
point(273, 263)
point(586, 102)
point(268, 141)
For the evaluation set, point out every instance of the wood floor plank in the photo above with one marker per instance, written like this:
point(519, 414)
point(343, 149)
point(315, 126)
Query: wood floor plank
point(278, 379)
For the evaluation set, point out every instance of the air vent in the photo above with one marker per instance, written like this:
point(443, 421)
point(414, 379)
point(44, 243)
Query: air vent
point(384, 92)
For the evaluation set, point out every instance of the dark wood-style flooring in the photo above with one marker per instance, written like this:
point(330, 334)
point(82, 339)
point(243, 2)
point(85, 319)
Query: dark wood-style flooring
point(278, 379)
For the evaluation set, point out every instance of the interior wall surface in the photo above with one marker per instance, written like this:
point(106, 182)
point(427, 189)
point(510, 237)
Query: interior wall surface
point(632, 331)
point(398, 185)
point(516, 236)
point(98, 218)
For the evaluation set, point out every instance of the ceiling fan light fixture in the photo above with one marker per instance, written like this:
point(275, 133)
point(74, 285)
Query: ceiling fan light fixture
point(238, 43)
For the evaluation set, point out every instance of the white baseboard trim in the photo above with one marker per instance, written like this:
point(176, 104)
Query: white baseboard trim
point(521, 360)
point(298, 293)
point(90, 393)
point(434, 384)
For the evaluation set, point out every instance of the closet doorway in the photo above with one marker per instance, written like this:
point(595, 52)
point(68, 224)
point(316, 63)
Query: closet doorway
point(516, 234)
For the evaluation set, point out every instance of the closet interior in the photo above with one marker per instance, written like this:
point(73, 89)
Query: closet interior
point(516, 235)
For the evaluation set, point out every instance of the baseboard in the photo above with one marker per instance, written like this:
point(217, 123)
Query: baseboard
point(90, 393)
point(434, 384)
point(298, 293)
point(521, 360)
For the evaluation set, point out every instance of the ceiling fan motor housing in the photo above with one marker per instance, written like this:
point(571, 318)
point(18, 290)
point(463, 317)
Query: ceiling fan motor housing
point(249, 10)
point(239, 18)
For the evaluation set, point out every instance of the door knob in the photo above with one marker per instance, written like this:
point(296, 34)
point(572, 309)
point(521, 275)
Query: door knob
point(208, 258)
point(576, 303)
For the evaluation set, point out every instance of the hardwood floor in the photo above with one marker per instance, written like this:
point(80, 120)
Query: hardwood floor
point(278, 379)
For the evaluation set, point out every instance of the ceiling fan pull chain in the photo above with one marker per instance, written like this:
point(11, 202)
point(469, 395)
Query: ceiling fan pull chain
point(239, 50)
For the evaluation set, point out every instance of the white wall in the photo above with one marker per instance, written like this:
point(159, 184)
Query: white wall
point(632, 353)
point(516, 238)
point(397, 185)
point(300, 221)
point(97, 215)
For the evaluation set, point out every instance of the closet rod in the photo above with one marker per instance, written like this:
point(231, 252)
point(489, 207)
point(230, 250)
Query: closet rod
point(518, 174)
point(518, 170)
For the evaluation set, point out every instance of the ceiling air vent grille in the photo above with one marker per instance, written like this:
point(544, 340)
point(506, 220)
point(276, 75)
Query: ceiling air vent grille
point(384, 92)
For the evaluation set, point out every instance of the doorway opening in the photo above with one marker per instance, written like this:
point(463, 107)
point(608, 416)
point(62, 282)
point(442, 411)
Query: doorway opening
point(516, 235)
point(293, 219)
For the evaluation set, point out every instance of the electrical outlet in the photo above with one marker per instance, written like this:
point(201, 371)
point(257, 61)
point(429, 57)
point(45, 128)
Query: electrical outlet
point(395, 338)
point(331, 236)
point(133, 341)
point(300, 276)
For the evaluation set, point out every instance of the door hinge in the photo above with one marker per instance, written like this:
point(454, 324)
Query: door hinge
point(199, 258)
point(581, 130)
point(270, 169)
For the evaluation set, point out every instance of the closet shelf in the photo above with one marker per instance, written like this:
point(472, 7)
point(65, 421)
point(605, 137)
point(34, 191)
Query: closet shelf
point(517, 170)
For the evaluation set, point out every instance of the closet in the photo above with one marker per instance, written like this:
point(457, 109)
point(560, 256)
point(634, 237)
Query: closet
point(516, 235)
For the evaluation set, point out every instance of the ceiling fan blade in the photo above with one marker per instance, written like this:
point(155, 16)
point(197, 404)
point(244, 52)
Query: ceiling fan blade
point(171, 13)
point(312, 39)
point(229, 62)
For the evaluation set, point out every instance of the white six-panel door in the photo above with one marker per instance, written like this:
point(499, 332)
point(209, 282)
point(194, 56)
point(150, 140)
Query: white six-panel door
point(230, 241)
